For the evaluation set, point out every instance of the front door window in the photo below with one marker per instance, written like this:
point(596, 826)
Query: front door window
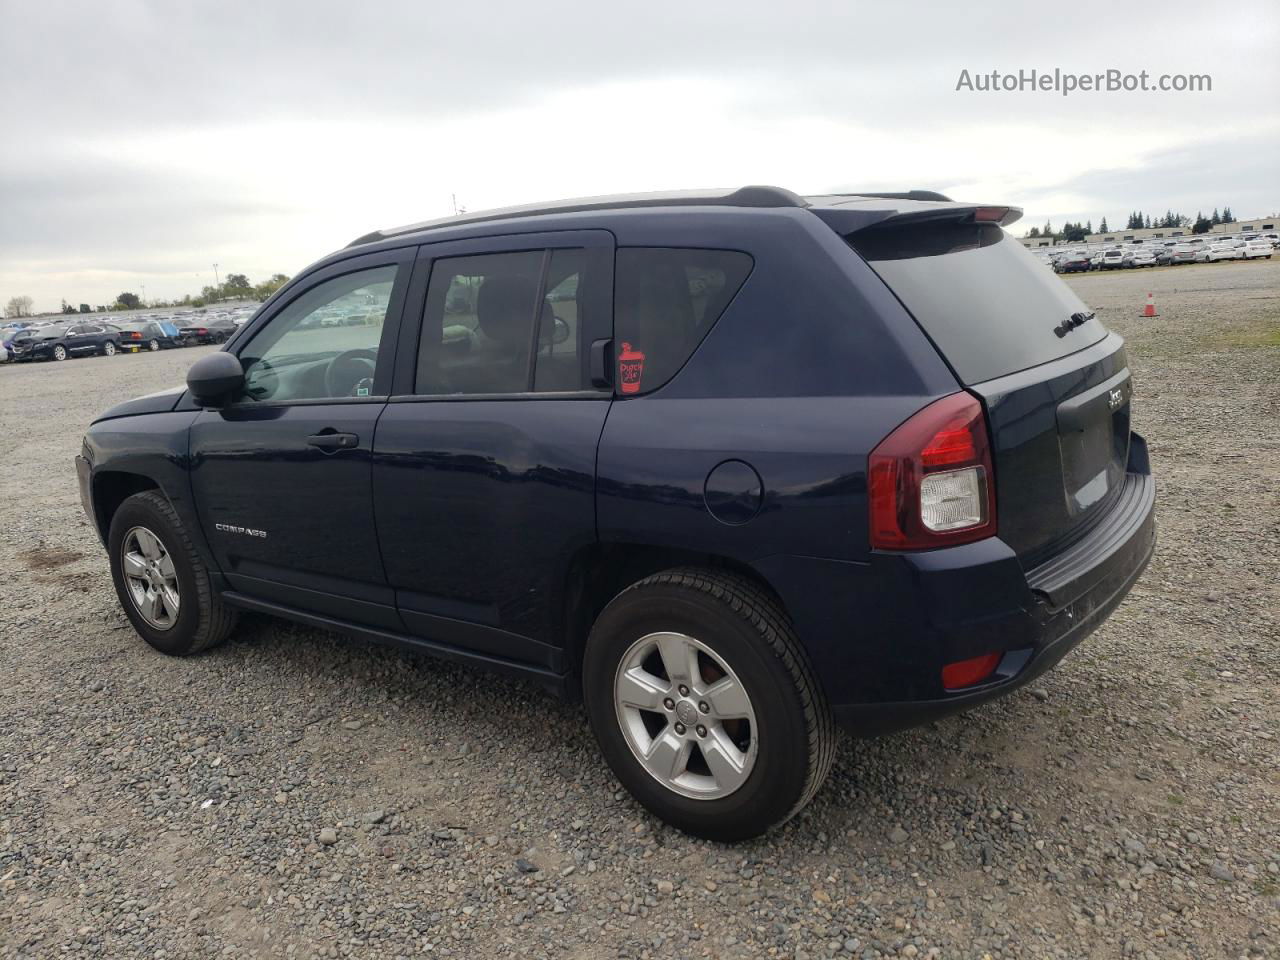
point(323, 345)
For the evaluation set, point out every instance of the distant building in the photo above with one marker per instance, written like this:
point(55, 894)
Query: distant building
point(1033, 242)
point(1260, 225)
point(1139, 235)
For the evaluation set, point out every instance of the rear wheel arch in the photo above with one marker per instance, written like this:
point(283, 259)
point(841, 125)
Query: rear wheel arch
point(600, 572)
point(659, 748)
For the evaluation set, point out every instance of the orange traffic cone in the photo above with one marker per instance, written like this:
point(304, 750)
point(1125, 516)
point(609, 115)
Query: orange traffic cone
point(1150, 309)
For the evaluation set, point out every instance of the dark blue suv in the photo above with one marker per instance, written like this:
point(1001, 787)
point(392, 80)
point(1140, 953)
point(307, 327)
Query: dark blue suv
point(734, 467)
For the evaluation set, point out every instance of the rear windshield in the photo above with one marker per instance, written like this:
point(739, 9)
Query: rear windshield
point(988, 305)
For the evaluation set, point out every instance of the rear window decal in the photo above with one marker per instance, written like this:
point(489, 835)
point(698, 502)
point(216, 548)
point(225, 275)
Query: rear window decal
point(630, 368)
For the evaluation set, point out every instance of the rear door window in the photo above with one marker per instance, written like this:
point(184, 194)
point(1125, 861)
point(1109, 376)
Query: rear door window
point(982, 298)
point(505, 323)
point(665, 302)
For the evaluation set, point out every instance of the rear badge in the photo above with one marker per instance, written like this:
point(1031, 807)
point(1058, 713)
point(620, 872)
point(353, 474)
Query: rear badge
point(1116, 398)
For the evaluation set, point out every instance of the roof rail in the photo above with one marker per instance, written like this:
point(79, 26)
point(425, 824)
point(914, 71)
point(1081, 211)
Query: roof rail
point(750, 196)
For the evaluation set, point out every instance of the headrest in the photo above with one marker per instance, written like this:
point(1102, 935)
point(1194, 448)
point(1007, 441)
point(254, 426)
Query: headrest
point(504, 307)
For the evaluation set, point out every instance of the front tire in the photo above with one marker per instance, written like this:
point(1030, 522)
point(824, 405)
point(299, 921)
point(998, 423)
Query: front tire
point(162, 584)
point(153, 345)
point(59, 352)
point(704, 704)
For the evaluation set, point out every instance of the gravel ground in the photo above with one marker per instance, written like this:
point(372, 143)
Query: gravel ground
point(292, 794)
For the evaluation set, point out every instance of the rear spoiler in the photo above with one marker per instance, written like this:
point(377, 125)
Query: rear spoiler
point(852, 216)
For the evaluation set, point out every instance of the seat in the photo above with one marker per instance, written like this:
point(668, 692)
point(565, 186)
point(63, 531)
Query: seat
point(499, 363)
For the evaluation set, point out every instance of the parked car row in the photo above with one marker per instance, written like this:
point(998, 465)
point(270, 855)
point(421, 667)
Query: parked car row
point(1161, 253)
point(59, 339)
point(1249, 250)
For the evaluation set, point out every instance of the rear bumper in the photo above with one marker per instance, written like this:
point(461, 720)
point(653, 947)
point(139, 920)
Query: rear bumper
point(880, 633)
point(1059, 630)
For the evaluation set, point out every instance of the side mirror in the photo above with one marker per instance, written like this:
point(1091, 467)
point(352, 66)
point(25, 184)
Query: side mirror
point(214, 379)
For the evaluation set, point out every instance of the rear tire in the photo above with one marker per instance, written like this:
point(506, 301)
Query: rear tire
point(757, 739)
point(171, 568)
point(108, 349)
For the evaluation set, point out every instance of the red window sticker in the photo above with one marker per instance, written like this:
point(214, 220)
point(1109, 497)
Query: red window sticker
point(630, 368)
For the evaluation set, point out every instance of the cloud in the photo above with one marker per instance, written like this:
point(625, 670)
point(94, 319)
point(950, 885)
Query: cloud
point(149, 140)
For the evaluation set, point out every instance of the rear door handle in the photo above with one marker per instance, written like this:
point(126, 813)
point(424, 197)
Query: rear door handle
point(331, 440)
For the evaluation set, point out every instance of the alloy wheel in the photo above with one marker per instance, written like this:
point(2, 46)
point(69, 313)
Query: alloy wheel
point(685, 715)
point(150, 577)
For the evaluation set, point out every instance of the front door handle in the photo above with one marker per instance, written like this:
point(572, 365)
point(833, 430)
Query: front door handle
point(331, 441)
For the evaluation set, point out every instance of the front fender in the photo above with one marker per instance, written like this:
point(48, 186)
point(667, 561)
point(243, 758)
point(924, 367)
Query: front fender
point(124, 450)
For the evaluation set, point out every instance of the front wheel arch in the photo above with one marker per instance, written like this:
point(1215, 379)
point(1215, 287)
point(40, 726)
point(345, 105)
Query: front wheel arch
point(112, 488)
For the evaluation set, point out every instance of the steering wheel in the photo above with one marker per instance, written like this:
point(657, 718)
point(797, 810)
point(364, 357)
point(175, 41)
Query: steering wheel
point(348, 372)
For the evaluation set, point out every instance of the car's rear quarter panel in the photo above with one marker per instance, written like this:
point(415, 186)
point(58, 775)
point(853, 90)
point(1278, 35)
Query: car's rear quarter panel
point(811, 365)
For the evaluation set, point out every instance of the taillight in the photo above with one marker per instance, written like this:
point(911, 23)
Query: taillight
point(930, 482)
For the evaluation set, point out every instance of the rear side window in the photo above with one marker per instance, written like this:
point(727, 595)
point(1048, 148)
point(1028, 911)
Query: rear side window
point(984, 300)
point(665, 302)
point(504, 323)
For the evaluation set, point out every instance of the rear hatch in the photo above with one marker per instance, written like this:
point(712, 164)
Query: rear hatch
point(1054, 381)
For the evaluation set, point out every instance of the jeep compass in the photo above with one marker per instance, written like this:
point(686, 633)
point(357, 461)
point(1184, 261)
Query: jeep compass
point(736, 468)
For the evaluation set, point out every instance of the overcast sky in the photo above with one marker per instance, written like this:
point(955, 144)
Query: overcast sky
point(145, 141)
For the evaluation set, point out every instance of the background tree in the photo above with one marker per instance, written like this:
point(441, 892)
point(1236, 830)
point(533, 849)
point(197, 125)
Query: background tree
point(268, 287)
point(84, 308)
point(237, 285)
point(128, 301)
point(18, 307)
point(1102, 227)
